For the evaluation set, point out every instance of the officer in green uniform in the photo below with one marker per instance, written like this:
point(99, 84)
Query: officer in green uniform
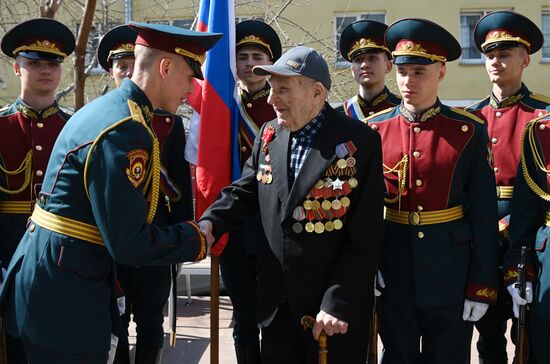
point(97, 206)
point(439, 257)
point(530, 227)
point(257, 45)
point(147, 288)
point(362, 44)
point(28, 129)
point(507, 39)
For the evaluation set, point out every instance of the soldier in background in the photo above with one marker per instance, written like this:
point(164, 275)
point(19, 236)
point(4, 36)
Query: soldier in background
point(438, 267)
point(28, 129)
point(506, 39)
point(362, 44)
point(147, 288)
point(257, 45)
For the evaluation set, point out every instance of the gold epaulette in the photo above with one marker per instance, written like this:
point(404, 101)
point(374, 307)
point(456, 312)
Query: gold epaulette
point(468, 115)
point(540, 97)
point(385, 111)
point(135, 112)
point(475, 103)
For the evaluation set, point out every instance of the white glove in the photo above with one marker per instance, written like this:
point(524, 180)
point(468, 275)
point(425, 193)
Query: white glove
point(516, 298)
point(473, 311)
point(381, 283)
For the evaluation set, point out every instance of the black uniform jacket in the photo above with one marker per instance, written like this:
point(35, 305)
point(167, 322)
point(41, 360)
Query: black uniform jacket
point(329, 270)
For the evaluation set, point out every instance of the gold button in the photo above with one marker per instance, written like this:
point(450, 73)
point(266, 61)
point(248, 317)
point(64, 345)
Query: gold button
point(38, 147)
point(374, 127)
point(494, 140)
point(40, 125)
point(39, 173)
point(31, 228)
point(417, 129)
point(371, 112)
point(420, 235)
point(495, 169)
point(419, 182)
point(42, 199)
point(464, 128)
point(243, 149)
point(542, 126)
point(168, 120)
point(498, 114)
point(249, 105)
point(416, 154)
point(420, 207)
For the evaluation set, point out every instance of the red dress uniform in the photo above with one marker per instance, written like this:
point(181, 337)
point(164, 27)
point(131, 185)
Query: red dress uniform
point(254, 111)
point(506, 121)
point(27, 137)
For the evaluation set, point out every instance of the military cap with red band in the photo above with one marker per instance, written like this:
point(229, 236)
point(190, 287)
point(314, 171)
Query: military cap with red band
point(190, 44)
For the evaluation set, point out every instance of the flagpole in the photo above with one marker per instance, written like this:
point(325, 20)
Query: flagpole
point(214, 309)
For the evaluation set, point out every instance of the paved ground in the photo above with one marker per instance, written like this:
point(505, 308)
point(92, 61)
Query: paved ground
point(193, 334)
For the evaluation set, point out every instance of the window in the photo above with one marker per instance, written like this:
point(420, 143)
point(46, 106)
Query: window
point(341, 22)
point(470, 54)
point(546, 31)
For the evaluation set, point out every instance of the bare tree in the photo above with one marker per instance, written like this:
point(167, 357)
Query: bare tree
point(80, 53)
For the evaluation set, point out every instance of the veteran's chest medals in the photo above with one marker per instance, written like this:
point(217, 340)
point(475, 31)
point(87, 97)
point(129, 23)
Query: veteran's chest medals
point(264, 171)
point(328, 201)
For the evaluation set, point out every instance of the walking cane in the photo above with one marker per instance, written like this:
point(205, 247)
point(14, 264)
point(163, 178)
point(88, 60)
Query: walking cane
point(214, 309)
point(307, 323)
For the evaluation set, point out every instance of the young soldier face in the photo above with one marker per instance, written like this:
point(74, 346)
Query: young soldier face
point(370, 69)
point(40, 77)
point(293, 99)
point(505, 65)
point(177, 82)
point(247, 58)
point(122, 68)
point(418, 83)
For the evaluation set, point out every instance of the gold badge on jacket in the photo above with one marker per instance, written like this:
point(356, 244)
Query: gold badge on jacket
point(328, 201)
point(137, 166)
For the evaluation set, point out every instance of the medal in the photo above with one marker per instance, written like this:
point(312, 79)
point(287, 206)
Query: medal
point(297, 228)
point(269, 178)
point(319, 184)
point(345, 201)
point(336, 204)
point(319, 227)
point(329, 226)
point(315, 205)
point(307, 204)
point(338, 224)
point(328, 182)
point(353, 183)
point(310, 227)
point(326, 205)
point(264, 179)
point(342, 163)
point(351, 162)
point(259, 176)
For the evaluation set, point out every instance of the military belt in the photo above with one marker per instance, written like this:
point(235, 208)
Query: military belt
point(423, 217)
point(547, 218)
point(16, 207)
point(66, 226)
point(505, 192)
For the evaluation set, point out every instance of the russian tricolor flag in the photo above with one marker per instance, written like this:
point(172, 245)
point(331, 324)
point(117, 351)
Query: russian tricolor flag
point(218, 158)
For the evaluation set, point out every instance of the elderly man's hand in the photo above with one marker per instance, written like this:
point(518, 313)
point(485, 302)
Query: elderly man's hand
point(329, 323)
point(206, 228)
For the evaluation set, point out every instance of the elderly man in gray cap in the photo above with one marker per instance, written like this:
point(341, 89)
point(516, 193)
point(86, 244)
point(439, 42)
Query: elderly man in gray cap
point(316, 177)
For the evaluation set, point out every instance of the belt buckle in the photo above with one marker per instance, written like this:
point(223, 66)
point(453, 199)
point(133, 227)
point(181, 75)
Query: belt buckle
point(414, 218)
point(498, 191)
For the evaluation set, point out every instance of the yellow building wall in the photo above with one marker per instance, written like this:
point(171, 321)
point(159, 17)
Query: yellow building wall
point(302, 22)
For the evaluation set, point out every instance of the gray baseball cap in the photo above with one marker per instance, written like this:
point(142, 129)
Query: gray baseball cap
point(299, 61)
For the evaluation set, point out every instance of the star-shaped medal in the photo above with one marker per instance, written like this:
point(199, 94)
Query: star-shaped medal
point(337, 184)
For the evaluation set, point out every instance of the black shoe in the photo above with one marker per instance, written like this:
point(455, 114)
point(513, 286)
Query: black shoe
point(143, 356)
point(248, 354)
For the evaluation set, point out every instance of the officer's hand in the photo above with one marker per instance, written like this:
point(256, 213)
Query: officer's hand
point(516, 298)
point(381, 283)
point(329, 323)
point(473, 311)
point(206, 228)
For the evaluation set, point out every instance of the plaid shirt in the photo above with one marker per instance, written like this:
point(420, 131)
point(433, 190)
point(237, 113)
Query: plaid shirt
point(301, 144)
